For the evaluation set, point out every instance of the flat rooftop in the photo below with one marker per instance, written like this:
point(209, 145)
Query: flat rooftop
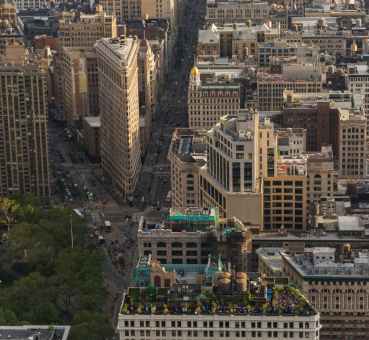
point(324, 236)
point(354, 268)
point(272, 257)
point(94, 122)
point(188, 145)
point(29, 332)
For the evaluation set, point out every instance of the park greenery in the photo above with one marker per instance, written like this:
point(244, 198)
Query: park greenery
point(45, 278)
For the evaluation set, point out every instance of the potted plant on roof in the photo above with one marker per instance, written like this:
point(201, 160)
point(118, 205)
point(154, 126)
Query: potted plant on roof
point(198, 308)
point(165, 309)
point(214, 307)
point(140, 308)
point(124, 309)
point(153, 308)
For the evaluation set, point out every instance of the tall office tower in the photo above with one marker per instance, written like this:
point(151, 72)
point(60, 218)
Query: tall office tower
point(230, 179)
point(119, 108)
point(352, 144)
point(24, 165)
point(213, 92)
point(77, 31)
point(83, 30)
point(80, 83)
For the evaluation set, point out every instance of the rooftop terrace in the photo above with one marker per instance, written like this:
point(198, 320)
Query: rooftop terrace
point(213, 301)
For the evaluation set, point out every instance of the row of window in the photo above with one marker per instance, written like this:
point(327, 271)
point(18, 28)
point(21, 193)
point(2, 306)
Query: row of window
point(219, 324)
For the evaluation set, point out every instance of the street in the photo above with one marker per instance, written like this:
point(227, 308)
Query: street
point(78, 183)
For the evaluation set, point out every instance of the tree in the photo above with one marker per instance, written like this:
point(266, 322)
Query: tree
point(8, 210)
point(44, 280)
point(92, 326)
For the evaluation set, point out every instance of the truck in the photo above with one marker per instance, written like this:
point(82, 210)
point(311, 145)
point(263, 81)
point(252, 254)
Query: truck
point(107, 226)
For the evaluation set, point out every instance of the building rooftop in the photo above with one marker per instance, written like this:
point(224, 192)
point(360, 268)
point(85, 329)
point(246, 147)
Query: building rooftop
point(31, 332)
point(311, 236)
point(208, 36)
point(272, 257)
point(188, 145)
point(349, 224)
point(349, 115)
point(322, 262)
point(226, 299)
point(94, 122)
point(121, 47)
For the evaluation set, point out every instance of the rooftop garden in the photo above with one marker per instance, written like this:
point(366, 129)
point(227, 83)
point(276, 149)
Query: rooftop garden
point(282, 301)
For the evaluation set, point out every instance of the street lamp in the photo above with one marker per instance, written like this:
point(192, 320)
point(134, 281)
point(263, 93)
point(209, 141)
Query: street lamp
point(71, 231)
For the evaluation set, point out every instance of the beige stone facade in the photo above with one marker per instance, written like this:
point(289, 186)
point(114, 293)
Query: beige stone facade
point(268, 151)
point(80, 83)
point(9, 29)
point(24, 162)
point(291, 141)
point(221, 12)
point(8, 12)
point(234, 40)
point(119, 107)
point(297, 78)
point(341, 297)
point(79, 33)
point(186, 155)
point(84, 30)
point(322, 176)
point(352, 138)
point(211, 95)
point(141, 9)
point(230, 179)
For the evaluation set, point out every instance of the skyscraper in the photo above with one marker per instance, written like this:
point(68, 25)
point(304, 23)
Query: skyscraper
point(119, 109)
point(24, 166)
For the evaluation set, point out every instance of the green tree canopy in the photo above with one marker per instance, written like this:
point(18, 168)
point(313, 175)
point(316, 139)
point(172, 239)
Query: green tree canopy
point(44, 279)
